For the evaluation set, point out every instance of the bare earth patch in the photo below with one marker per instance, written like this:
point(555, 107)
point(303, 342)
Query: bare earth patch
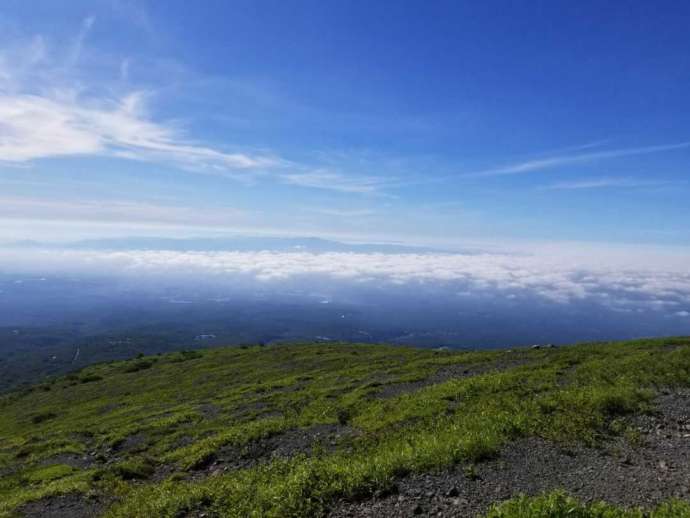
point(70, 459)
point(131, 443)
point(288, 444)
point(209, 410)
point(72, 505)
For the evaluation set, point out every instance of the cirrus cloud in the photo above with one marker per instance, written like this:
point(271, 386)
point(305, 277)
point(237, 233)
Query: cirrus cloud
point(51, 107)
point(35, 126)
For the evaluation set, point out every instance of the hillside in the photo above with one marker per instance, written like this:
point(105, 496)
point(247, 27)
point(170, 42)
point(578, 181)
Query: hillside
point(356, 430)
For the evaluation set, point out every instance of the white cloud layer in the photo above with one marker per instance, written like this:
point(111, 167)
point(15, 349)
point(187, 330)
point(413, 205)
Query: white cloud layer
point(552, 277)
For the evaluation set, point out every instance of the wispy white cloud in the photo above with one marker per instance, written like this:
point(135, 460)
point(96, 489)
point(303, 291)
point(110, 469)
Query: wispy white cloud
point(579, 147)
point(135, 13)
point(78, 43)
point(570, 159)
point(124, 69)
point(47, 112)
point(335, 181)
point(341, 213)
point(34, 127)
point(605, 183)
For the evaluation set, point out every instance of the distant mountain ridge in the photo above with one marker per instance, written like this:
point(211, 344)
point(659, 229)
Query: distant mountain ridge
point(240, 243)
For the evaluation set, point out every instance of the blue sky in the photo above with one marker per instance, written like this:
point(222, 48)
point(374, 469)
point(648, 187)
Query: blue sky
point(426, 122)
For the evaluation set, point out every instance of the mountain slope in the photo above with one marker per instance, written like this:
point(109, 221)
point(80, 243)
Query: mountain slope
point(345, 429)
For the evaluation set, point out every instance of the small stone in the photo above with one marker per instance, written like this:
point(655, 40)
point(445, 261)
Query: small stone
point(453, 492)
point(418, 509)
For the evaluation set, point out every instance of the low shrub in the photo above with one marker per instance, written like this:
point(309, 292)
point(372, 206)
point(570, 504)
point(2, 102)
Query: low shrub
point(42, 417)
point(134, 469)
point(139, 366)
point(90, 378)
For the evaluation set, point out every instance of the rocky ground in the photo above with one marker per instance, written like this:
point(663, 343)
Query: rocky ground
point(64, 506)
point(651, 468)
point(646, 465)
point(288, 444)
point(647, 471)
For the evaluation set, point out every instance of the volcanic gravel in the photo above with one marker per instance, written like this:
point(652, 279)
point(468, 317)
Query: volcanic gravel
point(621, 473)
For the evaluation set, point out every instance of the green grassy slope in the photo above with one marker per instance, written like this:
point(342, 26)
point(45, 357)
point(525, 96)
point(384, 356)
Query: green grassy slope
point(139, 434)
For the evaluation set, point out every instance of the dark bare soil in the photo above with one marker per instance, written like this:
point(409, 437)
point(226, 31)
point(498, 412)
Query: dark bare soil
point(651, 470)
point(71, 459)
point(73, 505)
point(288, 444)
point(133, 443)
point(209, 410)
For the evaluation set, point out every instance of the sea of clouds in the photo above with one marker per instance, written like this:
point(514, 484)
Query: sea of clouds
point(624, 280)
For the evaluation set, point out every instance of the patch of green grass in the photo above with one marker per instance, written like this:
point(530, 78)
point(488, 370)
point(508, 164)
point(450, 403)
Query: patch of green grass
point(184, 356)
point(48, 473)
point(559, 505)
